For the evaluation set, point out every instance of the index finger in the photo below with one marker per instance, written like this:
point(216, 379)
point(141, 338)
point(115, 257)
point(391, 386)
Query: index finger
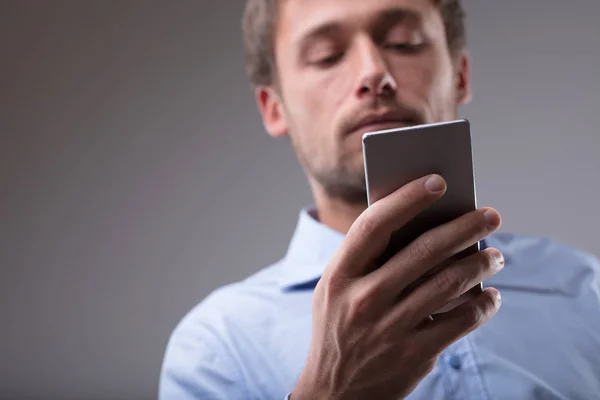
point(370, 233)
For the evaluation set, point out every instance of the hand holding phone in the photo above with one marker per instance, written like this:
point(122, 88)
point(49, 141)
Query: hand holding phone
point(395, 157)
point(366, 341)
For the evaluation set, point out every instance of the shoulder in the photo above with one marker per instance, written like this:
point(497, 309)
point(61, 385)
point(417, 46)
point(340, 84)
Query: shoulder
point(225, 308)
point(201, 355)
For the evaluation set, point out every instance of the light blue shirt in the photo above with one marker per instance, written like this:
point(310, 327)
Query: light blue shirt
point(250, 339)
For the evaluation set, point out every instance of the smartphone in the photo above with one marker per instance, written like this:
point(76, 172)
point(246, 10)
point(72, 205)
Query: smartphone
point(395, 157)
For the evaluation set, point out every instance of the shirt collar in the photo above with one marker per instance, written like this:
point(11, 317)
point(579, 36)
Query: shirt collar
point(312, 246)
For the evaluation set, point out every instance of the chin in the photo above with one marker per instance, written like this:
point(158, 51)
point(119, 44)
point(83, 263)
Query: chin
point(354, 193)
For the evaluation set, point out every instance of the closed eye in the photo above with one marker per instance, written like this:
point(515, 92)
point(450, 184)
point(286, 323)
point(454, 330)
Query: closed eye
point(406, 48)
point(328, 60)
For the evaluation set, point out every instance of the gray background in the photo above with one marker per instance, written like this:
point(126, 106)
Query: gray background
point(136, 177)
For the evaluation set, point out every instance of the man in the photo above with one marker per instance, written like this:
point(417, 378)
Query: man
point(323, 323)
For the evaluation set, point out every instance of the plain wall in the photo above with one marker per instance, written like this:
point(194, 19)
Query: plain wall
point(136, 177)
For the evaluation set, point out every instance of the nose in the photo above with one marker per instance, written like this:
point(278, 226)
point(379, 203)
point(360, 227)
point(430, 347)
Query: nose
point(375, 79)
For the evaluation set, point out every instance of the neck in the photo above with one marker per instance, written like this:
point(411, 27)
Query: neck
point(336, 214)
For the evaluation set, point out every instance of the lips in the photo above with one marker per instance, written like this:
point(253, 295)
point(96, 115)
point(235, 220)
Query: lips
point(373, 123)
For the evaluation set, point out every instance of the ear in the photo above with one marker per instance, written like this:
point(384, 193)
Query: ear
point(272, 111)
point(463, 78)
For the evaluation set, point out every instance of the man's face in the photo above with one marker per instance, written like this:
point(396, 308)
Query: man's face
point(346, 67)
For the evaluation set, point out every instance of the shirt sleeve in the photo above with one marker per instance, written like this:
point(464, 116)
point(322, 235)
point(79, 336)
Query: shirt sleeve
point(197, 366)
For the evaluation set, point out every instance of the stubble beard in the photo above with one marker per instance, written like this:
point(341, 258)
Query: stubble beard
point(343, 182)
point(340, 178)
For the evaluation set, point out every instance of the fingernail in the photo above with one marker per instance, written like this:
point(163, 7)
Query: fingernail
point(498, 299)
point(435, 184)
point(498, 257)
point(491, 218)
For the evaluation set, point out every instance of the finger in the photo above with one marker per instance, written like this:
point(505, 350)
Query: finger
point(371, 231)
point(446, 285)
point(437, 334)
point(426, 253)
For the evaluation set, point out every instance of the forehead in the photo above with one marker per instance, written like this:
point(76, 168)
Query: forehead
point(298, 17)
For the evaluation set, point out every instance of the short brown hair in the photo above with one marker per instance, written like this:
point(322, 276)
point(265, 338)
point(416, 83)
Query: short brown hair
point(258, 26)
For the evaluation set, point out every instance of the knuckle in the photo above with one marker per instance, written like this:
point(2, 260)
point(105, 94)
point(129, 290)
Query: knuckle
point(489, 307)
point(446, 281)
point(421, 249)
point(361, 303)
point(332, 284)
point(473, 317)
point(369, 223)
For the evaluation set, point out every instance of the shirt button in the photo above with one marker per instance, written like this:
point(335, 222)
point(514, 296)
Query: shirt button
point(454, 361)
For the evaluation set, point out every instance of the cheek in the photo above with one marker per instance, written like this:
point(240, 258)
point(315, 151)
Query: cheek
point(442, 94)
point(338, 86)
point(414, 87)
point(427, 82)
point(417, 77)
point(327, 92)
point(315, 101)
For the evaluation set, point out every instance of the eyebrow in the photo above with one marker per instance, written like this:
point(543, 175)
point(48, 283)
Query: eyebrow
point(327, 29)
point(380, 22)
point(397, 14)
